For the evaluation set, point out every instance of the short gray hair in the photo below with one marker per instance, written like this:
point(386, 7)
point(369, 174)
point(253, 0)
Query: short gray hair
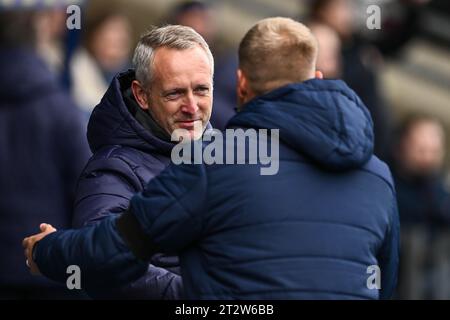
point(171, 36)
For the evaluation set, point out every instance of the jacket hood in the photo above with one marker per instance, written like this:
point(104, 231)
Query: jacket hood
point(112, 123)
point(24, 75)
point(321, 119)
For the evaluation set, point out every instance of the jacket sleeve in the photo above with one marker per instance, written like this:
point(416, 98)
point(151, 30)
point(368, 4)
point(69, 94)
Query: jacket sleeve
point(388, 257)
point(98, 250)
point(104, 190)
point(157, 284)
point(171, 207)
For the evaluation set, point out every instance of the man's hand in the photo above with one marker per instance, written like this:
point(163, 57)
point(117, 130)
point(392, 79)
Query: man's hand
point(29, 242)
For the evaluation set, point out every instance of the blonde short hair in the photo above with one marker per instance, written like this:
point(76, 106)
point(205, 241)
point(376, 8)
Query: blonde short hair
point(275, 52)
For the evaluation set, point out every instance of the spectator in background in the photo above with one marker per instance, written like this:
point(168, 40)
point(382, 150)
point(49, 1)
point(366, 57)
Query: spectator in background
point(424, 208)
point(106, 52)
point(419, 154)
point(329, 58)
point(51, 28)
point(359, 64)
point(199, 16)
point(43, 149)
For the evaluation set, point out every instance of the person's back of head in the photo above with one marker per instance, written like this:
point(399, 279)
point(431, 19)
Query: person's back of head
point(275, 52)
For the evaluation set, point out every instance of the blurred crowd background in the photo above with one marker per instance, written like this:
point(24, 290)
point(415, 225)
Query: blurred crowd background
point(401, 72)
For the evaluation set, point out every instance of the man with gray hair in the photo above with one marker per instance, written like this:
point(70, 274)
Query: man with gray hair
point(324, 227)
point(129, 133)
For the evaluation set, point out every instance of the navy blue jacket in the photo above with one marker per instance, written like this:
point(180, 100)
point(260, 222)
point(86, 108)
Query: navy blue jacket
point(125, 157)
point(43, 150)
point(312, 231)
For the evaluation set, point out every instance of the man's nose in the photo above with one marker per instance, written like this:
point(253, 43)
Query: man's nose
point(190, 104)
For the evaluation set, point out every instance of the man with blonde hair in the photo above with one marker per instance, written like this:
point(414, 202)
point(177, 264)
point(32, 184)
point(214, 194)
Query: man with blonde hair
point(277, 52)
point(325, 226)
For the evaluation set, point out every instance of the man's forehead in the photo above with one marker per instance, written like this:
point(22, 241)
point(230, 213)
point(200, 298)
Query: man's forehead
point(172, 64)
point(178, 58)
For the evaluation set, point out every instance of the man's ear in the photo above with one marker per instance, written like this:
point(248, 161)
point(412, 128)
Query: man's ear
point(140, 94)
point(242, 86)
point(319, 74)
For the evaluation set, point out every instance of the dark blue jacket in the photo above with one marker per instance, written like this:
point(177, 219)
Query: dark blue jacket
point(312, 231)
point(43, 149)
point(125, 157)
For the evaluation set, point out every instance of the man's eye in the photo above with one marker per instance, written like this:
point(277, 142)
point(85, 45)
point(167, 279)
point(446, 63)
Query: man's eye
point(202, 90)
point(172, 95)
